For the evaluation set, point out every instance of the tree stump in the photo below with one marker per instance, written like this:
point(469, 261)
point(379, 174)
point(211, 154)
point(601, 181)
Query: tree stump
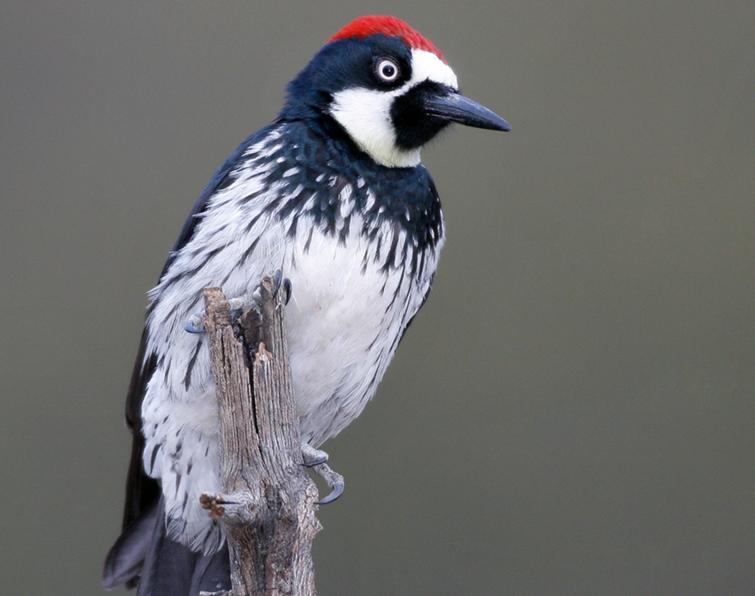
point(268, 502)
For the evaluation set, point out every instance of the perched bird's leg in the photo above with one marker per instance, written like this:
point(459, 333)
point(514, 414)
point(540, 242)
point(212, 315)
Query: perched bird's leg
point(312, 457)
point(279, 283)
point(334, 481)
point(195, 323)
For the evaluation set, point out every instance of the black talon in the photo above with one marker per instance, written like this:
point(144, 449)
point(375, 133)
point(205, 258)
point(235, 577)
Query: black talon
point(277, 280)
point(281, 283)
point(334, 494)
point(334, 481)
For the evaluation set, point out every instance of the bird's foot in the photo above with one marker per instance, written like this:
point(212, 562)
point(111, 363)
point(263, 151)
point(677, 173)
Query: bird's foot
point(195, 324)
point(237, 305)
point(333, 479)
point(312, 457)
point(280, 283)
point(316, 459)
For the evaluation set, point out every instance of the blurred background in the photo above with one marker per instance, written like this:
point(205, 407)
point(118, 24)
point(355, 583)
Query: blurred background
point(573, 411)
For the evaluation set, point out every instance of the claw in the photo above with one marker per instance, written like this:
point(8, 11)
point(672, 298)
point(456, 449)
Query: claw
point(277, 280)
point(315, 459)
point(281, 283)
point(333, 479)
point(195, 325)
point(237, 306)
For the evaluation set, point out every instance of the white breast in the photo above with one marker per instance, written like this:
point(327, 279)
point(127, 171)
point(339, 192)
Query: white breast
point(344, 321)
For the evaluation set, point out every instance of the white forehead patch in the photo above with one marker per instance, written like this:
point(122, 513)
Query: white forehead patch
point(366, 113)
point(427, 66)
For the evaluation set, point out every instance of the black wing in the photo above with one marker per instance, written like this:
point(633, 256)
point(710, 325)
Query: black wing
point(141, 490)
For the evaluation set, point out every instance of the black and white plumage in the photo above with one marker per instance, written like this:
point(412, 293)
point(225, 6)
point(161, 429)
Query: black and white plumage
point(333, 194)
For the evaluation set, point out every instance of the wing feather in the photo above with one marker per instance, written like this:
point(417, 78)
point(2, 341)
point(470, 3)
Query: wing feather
point(141, 490)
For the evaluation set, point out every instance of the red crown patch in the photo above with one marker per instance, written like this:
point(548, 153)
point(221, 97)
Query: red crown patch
point(386, 25)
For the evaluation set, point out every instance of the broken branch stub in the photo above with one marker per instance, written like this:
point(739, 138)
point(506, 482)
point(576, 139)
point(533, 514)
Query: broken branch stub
point(268, 503)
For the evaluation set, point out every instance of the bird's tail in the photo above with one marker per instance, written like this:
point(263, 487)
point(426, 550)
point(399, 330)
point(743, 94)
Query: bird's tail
point(143, 555)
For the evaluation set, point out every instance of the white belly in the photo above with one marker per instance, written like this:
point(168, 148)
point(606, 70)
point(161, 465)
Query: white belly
point(344, 322)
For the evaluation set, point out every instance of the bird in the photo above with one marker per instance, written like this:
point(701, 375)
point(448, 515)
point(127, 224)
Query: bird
point(333, 195)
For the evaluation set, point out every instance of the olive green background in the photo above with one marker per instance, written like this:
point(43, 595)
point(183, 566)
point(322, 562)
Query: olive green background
point(572, 412)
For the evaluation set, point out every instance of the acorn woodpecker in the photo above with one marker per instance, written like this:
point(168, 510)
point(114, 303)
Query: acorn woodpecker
point(334, 195)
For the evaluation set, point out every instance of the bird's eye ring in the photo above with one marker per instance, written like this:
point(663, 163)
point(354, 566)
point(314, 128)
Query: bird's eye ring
point(387, 70)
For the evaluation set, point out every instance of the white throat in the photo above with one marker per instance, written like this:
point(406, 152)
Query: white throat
point(366, 113)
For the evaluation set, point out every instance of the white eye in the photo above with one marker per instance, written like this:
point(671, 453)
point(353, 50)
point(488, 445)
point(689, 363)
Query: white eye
point(387, 70)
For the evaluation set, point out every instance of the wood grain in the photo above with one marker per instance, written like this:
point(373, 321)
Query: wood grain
point(268, 503)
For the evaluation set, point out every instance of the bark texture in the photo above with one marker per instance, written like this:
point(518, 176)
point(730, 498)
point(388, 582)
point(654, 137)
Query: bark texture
point(268, 503)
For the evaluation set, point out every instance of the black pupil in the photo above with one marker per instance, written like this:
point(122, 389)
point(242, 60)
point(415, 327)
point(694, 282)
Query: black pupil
point(389, 70)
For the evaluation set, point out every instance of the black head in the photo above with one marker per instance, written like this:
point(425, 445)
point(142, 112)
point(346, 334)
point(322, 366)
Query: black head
point(387, 87)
